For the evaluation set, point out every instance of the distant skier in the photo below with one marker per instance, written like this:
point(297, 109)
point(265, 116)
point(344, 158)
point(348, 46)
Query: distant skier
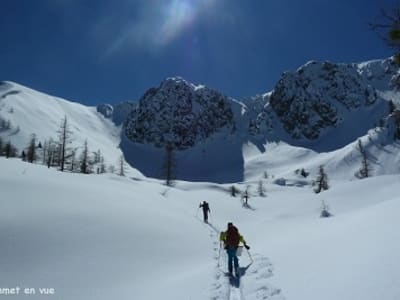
point(231, 239)
point(206, 210)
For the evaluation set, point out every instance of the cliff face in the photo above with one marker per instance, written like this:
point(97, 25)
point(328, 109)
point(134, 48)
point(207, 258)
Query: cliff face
point(180, 113)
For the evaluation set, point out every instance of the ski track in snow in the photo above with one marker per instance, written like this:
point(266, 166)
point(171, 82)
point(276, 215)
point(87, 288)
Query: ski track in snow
point(252, 284)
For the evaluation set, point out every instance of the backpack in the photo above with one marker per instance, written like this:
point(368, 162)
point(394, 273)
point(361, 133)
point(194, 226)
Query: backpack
point(232, 237)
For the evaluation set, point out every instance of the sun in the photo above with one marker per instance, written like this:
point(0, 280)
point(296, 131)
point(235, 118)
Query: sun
point(179, 15)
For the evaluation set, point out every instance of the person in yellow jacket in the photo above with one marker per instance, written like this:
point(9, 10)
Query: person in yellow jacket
point(231, 239)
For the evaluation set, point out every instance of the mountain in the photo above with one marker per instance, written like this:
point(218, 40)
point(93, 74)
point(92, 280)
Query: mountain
point(313, 114)
point(199, 122)
point(179, 113)
point(325, 106)
point(24, 112)
point(98, 237)
point(322, 106)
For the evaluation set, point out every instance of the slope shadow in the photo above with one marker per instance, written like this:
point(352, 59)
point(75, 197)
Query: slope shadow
point(216, 160)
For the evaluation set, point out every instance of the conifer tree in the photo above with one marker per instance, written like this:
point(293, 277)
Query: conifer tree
point(169, 165)
point(261, 189)
point(121, 166)
point(31, 151)
point(321, 182)
point(84, 161)
point(365, 169)
point(64, 135)
point(10, 150)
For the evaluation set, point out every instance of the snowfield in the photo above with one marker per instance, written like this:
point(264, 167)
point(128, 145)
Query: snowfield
point(109, 237)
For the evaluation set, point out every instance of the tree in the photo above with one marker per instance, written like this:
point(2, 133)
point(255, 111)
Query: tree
point(103, 167)
point(365, 169)
point(51, 153)
point(73, 160)
point(265, 174)
point(1, 146)
point(322, 181)
point(388, 27)
point(23, 155)
point(169, 165)
point(261, 189)
point(64, 135)
point(233, 190)
point(84, 161)
point(10, 150)
point(245, 196)
point(31, 151)
point(121, 165)
point(325, 210)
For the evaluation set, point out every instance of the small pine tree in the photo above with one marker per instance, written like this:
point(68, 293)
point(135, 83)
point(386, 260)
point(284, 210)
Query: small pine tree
point(23, 155)
point(31, 152)
point(322, 181)
point(84, 161)
point(261, 189)
point(245, 196)
point(365, 169)
point(265, 175)
point(64, 135)
point(10, 150)
point(325, 210)
point(121, 166)
point(233, 191)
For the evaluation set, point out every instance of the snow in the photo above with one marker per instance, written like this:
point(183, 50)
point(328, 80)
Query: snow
point(31, 112)
point(104, 236)
point(110, 237)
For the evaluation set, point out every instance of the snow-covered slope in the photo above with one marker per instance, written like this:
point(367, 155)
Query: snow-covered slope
point(107, 237)
point(31, 112)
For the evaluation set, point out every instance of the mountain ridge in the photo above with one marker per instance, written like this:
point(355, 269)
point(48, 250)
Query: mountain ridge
point(321, 106)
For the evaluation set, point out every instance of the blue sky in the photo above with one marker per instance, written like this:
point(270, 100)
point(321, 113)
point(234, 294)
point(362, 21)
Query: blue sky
point(97, 51)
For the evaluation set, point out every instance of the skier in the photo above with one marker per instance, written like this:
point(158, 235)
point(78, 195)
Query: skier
point(231, 239)
point(206, 210)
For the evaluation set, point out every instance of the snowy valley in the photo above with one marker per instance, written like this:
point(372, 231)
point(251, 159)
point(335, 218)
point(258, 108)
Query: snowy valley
point(104, 236)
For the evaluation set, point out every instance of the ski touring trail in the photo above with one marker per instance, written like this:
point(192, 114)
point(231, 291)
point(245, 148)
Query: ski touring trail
point(251, 284)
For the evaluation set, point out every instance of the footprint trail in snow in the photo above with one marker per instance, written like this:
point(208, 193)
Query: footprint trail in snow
point(252, 284)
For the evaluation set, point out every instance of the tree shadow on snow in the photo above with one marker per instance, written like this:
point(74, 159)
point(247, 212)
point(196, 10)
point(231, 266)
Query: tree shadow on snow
point(248, 206)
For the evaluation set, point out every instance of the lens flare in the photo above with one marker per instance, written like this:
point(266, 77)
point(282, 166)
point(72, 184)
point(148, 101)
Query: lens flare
point(178, 16)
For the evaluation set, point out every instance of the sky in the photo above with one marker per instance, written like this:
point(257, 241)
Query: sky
point(99, 51)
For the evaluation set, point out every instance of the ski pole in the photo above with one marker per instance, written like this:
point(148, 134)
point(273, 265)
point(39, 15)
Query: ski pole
point(219, 253)
point(248, 252)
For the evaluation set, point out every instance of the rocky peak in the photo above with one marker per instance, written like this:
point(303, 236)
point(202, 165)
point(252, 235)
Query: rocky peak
point(316, 95)
point(180, 113)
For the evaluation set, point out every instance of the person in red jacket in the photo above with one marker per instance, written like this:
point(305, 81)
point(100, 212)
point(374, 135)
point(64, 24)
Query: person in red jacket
point(231, 239)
